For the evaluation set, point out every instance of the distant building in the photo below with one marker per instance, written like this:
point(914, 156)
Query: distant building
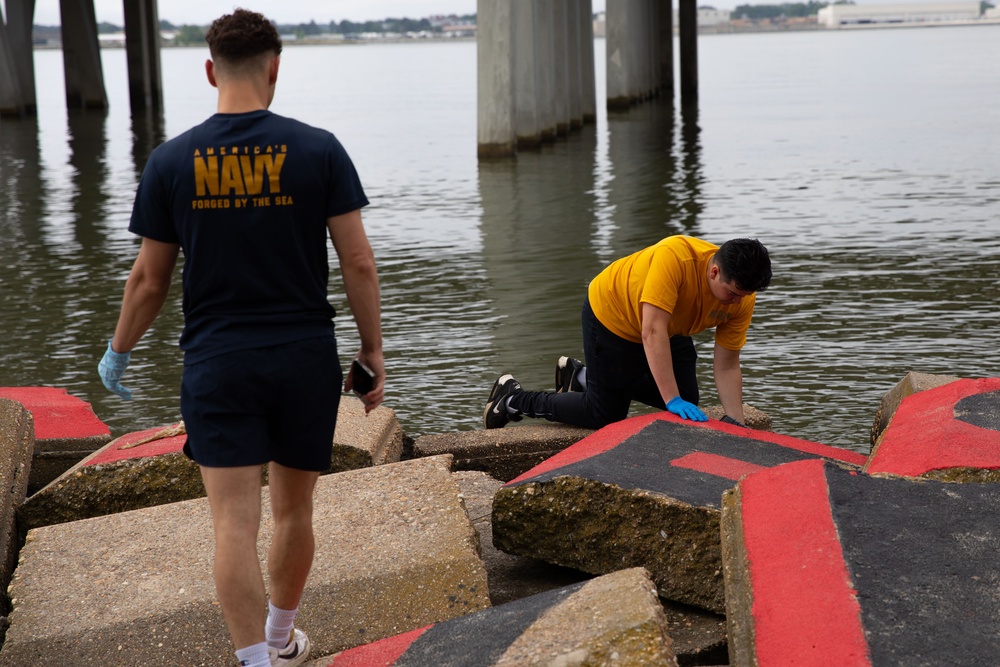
point(835, 16)
point(708, 17)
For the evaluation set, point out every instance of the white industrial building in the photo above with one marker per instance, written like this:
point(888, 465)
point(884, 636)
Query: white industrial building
point(835, 16)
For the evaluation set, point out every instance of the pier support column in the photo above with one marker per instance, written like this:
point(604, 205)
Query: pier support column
point(574, 86)
point(545, 69)
point(688, 22)
point(142, 51)
point(666, 48)
point(494, 83)
point(20, 16)
point(526, 125)
point(587, 81)
point(10, 89)
point(82, 56)
point(560, 58)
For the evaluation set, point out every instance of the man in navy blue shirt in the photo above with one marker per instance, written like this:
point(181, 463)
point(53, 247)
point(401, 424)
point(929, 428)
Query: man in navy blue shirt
point(251, 198)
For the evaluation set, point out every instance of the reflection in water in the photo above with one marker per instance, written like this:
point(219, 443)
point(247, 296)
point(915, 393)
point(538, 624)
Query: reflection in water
point(552, 219)
point(655, 181)
point(883, 231)
point(147, 133)
point(89, 177)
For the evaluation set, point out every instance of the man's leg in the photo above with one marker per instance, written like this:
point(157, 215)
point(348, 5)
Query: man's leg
point(292, 547)
point(234, 496)
point(613, 366)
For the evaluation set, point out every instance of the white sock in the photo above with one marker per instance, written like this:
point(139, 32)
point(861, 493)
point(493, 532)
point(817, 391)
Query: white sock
point(254, 656)
point(280, 622)
point(581, 377)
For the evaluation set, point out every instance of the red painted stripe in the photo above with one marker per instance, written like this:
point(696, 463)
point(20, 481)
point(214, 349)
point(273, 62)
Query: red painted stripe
point(382, 653)
point(805, 609)
point(612, 435)
point(807, 446)
point(596, 443)
point(113, 451)
point(57, 414)
point(924, 434)
point(720, 466)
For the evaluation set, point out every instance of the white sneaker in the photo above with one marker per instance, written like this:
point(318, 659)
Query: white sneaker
point(295, 652)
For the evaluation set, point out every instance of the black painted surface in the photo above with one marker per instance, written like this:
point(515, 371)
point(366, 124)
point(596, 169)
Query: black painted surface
point(982, 410)
point(642, 461)
point(924, 558)
point(479, 639)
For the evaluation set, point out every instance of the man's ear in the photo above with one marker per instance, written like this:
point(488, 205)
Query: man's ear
point(210, 73)
point(272, 71)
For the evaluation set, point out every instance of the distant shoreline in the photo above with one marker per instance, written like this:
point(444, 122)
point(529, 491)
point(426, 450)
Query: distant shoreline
point(720, 29)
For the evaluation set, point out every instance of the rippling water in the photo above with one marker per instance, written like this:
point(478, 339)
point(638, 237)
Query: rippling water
point(866, 161)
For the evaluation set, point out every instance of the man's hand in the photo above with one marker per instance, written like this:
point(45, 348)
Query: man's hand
point(686, 410)
point(111, 369)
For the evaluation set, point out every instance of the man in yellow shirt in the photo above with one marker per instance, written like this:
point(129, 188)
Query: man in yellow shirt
point(638, 319)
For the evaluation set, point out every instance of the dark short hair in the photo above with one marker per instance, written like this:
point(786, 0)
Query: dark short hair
point(242, 35)
point(746, 263)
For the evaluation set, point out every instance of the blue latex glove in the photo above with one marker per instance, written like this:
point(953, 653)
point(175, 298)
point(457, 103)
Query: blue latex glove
point(111, 369)
point(686, 410)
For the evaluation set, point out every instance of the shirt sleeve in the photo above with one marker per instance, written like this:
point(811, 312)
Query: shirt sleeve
point(151, 212)
point(732, 334)
point(663, 280)
point(345, 193)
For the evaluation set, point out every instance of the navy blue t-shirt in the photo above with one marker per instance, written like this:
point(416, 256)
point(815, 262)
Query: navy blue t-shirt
point(247, 196)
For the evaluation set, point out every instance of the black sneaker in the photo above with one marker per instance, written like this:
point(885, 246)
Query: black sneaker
point(496, 414)
point(567, 370)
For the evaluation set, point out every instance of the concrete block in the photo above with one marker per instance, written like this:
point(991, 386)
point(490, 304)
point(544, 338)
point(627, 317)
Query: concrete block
point(614, 619)
point(826, 566)
point(909, 385)
point(148, 468)
point(502, 453)
point(644, 492)
point(395, 551)
point(699, 636)
point(137, 470)
point(17, 441)
point(363, 440)
point(66, 430)
point(950, 432)
point(755, 419)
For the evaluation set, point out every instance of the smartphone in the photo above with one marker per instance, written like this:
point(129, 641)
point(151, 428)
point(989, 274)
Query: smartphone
point(364, 378)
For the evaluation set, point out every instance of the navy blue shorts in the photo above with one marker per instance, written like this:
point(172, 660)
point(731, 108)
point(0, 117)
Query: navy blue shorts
point(277, 404)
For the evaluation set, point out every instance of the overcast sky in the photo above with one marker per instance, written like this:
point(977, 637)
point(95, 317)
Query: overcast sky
point(203, 12)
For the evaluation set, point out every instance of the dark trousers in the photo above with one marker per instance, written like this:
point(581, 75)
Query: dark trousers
point(617, 374)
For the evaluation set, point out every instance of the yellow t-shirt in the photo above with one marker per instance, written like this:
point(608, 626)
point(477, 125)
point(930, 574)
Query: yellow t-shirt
point(671, 275)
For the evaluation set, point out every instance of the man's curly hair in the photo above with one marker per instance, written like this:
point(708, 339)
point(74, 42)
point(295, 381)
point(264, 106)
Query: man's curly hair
point(242, 35)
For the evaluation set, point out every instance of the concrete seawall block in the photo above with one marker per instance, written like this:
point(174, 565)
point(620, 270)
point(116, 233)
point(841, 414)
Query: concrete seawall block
point(395, 551)
point(909, 385)
point(17, 441)
point(148, 468)
point(365, 440)
point(66, 430)
point(645, 492)
point(137, 470)
point(614, 619)
point(827, 566)
point(949, 432)
point(699, 637)
point(502, 453)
